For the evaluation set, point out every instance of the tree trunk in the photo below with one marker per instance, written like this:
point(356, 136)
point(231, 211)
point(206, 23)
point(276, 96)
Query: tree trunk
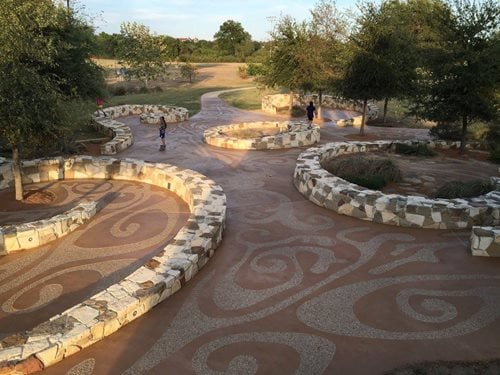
point(320, 103)
point(386, 101)
point(16, 171)
point(363, 118)
point(463, 139)
point(290, 109)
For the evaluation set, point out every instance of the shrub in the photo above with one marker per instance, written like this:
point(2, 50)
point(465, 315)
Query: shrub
point(492, 137)
point(118, 91)
point(445, 131)
point(375, 182)
point(255, 69)
point(157, 89)
point(143, 90)
point(242, 72)
point(298, 111)
point(495, 155)
point(459, 189)
point(419, 149)
point(369, 171)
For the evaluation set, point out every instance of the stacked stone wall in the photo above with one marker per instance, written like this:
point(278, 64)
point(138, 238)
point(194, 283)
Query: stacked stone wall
point(274, 103)
point(37, 233)
point(121, 133)
point(339, 195)
point(105, 312)
point(291, 134)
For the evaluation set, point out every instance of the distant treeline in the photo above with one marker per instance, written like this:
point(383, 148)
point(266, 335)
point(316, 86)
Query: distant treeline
point(185, 49)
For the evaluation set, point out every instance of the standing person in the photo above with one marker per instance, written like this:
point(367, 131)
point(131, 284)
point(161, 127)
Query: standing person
point(100, 103)
point(163, 128)
point(311, 110)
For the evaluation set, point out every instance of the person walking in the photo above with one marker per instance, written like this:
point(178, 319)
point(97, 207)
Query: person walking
point(163, 129)
point(311, 111)
point(100, 104)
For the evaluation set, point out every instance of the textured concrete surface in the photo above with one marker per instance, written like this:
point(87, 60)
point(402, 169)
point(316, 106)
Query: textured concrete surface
point(295, 288)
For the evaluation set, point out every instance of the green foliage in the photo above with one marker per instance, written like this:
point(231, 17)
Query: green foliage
point(243, 72)
point(255, 70)
point(495, 155)
point(492, 137)
point(460, 189)
point(459, 77)
point(446, 131)
point(188, 71)
point(233, 40)
point(44, 70)
point(145, 53)
point(415, 150)
point(368, 171)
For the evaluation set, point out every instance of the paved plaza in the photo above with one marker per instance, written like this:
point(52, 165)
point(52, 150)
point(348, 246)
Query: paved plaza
point(293, 288)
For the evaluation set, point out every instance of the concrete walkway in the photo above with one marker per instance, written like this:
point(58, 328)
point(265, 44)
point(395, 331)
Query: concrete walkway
point(295, 288)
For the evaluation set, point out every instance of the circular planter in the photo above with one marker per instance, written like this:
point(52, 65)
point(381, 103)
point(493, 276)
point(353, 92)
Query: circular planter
point(268, 135)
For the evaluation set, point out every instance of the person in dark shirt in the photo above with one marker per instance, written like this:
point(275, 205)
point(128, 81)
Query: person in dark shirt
point(311, 111)
point(163, 128)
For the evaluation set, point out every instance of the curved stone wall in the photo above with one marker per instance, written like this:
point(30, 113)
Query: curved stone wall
point(339, 195)
point(40, 232)
point(121, 133)
point(171, 115)
point(291, 134)
point(273, 103)
point(164, 274)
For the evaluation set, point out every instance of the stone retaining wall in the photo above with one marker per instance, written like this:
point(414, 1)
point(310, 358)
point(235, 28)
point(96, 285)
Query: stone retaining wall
point(294, 134)
point(171, 115)
point(160, 277)
point(273, 103)
point(40, 232)
point(121, 133)
point(335, 193)
point(485, 241)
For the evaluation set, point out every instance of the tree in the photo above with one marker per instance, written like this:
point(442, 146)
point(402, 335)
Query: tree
point(283, 67)
point(34, 85)
point(231, 38)
point(189, 71)
point(144, 52)
point(322, 61)
point(365, 79)
point(461, 76)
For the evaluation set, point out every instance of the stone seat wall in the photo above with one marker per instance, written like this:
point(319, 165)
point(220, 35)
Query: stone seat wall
point(171, 115)
point(121, 133)
point(339, 195)
point(37, 233)
point(273, 103)
point(485, 241)
point(105, 312)
point(295, 134)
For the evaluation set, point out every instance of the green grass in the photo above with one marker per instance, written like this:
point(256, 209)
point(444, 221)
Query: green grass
point(246, 99)
point(189, 98)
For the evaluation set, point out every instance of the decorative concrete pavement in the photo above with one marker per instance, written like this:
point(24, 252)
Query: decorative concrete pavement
point(296, 288)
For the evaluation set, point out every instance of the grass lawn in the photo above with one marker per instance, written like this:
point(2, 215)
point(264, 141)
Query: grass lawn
point(246, 99)
point(189, 98)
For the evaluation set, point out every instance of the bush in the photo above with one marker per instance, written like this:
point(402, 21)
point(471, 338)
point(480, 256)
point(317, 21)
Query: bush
point(492, 137)
point(371, 172)
point(419, 149)
point(447, 132)
point(255, 69)
point(298, 111)
point(118, 91)
point(495, 155)
point(143, 90)
point(157, 89)
point(375, 182)
point(459, 189)
point(242, 72)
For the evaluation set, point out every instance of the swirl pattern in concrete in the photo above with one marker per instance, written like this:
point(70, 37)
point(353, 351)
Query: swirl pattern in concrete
point(295, 288)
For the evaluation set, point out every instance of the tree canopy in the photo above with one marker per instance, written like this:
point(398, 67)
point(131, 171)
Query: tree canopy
point(232, 39)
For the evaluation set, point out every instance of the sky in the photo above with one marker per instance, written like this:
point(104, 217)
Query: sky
point(196, 18)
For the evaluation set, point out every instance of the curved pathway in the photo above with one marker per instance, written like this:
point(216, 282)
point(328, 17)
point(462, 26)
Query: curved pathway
point(295, 288)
